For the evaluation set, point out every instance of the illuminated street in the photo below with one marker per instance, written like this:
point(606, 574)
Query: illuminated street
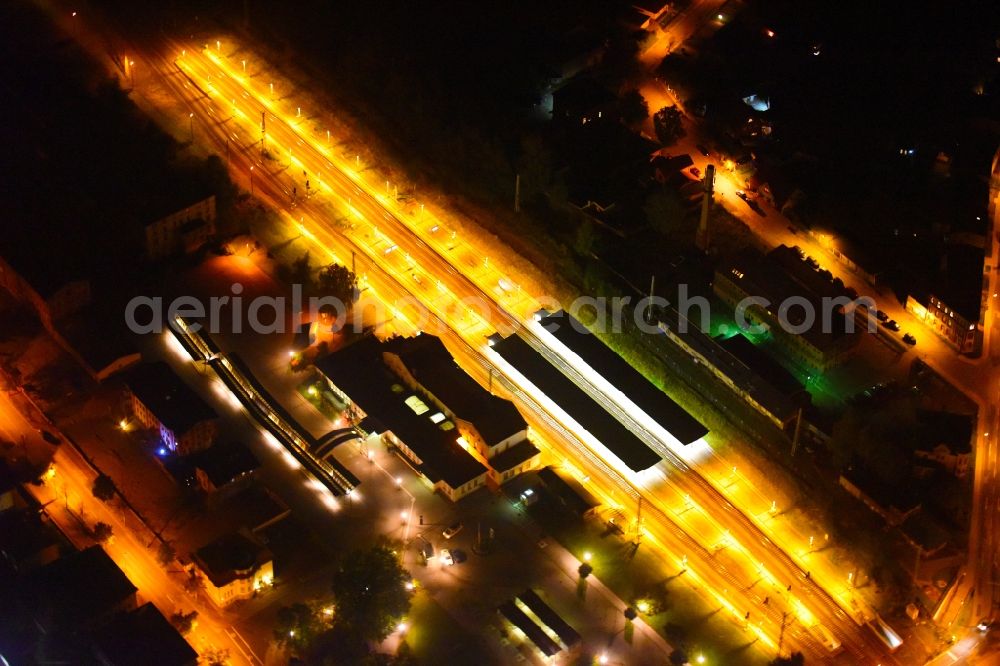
point(415, 257)
point(811, 494)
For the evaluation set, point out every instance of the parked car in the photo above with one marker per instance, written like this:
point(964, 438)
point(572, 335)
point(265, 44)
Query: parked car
point(49, 437)
point(881, 316)
point(892, 325)
point(458, 556)
point(445, 556)
point(702, 149)
point(451, 530)
point(909, 339)
point(696, 172)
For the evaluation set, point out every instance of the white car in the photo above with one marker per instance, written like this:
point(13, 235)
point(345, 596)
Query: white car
point(446, 558)
point(451, 530)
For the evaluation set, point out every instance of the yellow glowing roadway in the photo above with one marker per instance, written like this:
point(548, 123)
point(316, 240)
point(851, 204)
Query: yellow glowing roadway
point(276, 131)
point(69, 501)
point(383, 244)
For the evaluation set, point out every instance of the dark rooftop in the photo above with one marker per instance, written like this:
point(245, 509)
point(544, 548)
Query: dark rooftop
point(81, 586)
point(98, 334)
point(761, 364)
point(359, 371)
point(160, 389)
point(567, 634)
point(517, 617)
point(960, 286)
point(580, 94)
point(595, 419)
point(225, 462)
point(774, 402)
point(572, 333)
point(433, 367)
point(568, 491)
point(514, 456)
point(768, 277)
point(952, 430)
point(143, 636)
point(9, 479)
point(230, 557)
point(903, 497)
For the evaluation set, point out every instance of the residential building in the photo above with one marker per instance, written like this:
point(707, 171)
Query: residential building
point(760, 286)
point(582, 100)
point(27, 538)
point(142, 636)
point(161, 401)
point(408, 421)
point(953, 307)
point(223, 466)
point(80, 591)
point(234, 567)
point(184, 230)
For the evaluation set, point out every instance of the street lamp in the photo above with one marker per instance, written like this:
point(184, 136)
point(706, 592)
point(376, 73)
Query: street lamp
point(191, 125)
point(244, 66)
point(251, 181)
point(586, 556)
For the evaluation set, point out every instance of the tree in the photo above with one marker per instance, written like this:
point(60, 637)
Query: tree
point(795, 659)
point(339, 282)
point(299, 272)
point(668, 125)
point(678, 657)
point(184, 622)
point(103, 488)
point(633, 107)
point(585, 570)
point(370, 594)
point(194, 584)
point(297, 626)
point(103, 532)
point(215, 657)
point(165, 554)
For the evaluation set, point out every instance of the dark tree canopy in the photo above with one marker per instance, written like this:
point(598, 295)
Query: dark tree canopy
point(339, 282)
point(103, 488)
point(370, 593)
point(667, 123)
point(298, 626)
point(103, 532)
point(795, 659)
point(184, 622)
point(633, 107)
point(165, 553)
